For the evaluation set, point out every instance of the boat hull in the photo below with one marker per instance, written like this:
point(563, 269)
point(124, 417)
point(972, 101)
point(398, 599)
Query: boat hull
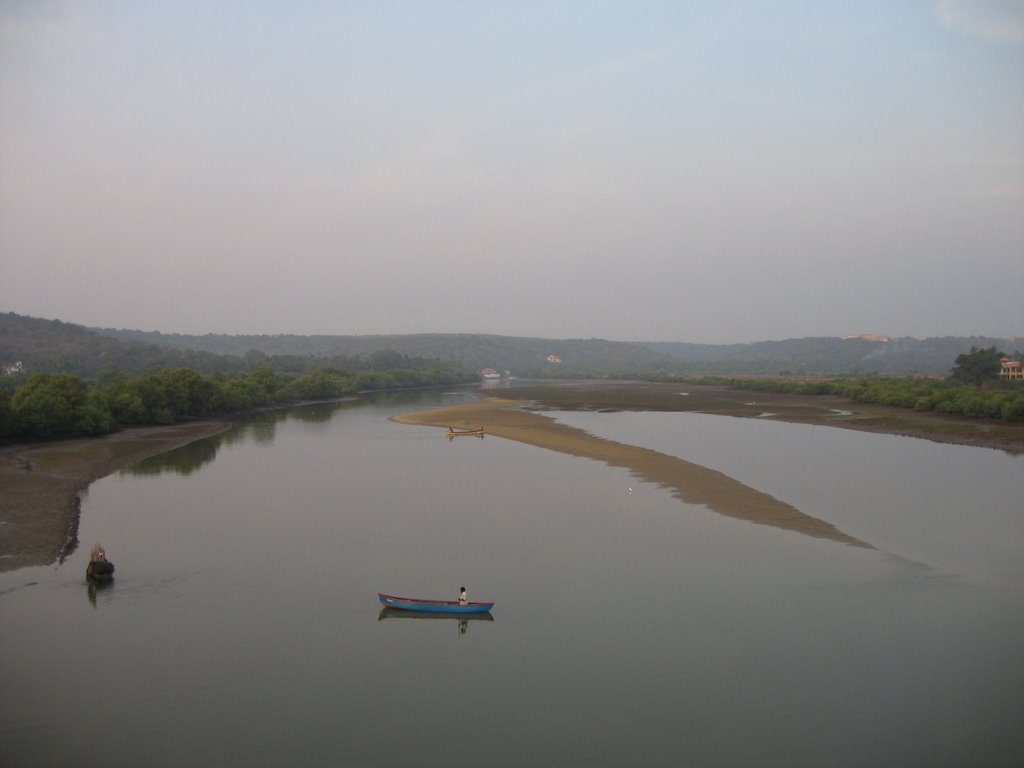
point(432, 606)
point(99, 570)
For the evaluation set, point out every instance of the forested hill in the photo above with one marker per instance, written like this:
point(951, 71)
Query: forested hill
point(525, 356)
point(519, 355)
point(60, 347)
point(33, 345)
point(52, 346)
point(829, 355)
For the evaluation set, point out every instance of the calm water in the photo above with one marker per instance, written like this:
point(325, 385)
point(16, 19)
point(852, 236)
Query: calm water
point(630, 629)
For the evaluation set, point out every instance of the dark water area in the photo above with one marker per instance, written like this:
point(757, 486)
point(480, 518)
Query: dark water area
point(630, 629)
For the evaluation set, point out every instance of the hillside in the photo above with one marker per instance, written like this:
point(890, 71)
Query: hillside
point(831, 355)
point(520, 355)
point(55, 346)
point(525, 356)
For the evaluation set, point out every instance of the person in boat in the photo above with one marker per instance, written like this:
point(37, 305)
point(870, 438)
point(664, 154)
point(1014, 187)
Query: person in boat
point(99, 567)
point(463, 600)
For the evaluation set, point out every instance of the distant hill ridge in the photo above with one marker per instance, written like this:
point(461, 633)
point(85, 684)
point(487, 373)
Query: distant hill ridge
point(56, 346)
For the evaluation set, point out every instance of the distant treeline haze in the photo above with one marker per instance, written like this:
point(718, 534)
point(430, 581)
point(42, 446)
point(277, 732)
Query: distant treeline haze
point(973, 388)
point(53, 346)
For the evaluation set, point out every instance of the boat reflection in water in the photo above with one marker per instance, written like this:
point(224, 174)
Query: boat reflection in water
point(463, 619)
point(97, 586)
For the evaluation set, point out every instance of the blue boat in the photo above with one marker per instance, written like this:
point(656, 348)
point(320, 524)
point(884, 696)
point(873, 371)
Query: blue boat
point(433, 606)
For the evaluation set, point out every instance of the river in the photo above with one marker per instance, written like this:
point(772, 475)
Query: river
point(630, 628)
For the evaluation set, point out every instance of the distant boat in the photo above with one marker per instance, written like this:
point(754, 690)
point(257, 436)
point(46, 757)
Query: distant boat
point(489, 374)
point(452, 432)
point(433, 606)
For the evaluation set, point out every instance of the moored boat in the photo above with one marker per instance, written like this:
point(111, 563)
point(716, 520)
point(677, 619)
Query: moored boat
point(432, 606)
point(452, 432)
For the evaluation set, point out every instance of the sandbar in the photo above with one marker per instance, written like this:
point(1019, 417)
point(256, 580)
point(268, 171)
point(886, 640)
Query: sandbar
point(689, 482)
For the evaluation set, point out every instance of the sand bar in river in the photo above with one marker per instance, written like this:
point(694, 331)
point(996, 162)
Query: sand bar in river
point(692, 483)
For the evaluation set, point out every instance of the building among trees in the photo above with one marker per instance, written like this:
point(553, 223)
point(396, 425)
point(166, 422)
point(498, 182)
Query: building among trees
point(1011, 370)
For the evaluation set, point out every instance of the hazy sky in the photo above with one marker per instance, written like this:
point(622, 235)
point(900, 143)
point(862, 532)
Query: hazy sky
point(696, 171)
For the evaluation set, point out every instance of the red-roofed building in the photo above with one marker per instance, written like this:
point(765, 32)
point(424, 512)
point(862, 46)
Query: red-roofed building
point(1011, 369)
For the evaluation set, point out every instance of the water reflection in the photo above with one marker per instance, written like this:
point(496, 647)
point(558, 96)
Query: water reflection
point(318, 413)
point(452, 435)
point(463, 619)
point(402, 399)
point(95, 587)
point(747, 648)
point(258, 429)
point(182, 461)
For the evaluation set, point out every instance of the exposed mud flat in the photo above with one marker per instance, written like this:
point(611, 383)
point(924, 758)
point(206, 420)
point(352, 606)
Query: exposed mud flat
point(40, 485)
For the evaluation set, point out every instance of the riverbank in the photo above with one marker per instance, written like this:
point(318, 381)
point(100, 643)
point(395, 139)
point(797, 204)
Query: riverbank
point(40, 484)
point(823, 410)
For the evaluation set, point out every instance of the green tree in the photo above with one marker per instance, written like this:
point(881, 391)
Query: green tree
point(188, 393)
point(977, 366)
point(6, 414)
point(1013, 408)
point(93, 417)
point(58, 404)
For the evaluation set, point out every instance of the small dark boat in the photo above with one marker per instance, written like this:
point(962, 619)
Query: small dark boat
point(99, 568)
point(433, 606)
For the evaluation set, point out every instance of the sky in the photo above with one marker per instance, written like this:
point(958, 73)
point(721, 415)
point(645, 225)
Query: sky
point(713, 172)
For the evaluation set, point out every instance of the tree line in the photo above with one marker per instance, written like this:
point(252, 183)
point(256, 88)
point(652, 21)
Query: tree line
point(48, 405)
point(941, 396)
point(973, 388)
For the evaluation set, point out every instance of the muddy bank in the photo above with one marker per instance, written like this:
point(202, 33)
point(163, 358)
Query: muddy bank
point(824, 410)
point(689, 482)
point(40, 485)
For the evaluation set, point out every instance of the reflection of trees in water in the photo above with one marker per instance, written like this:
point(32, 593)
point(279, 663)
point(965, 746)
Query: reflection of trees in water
point(259, 429)
point(256, 429)
point(319, 413)
point(183, 460)
point(398, 397)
